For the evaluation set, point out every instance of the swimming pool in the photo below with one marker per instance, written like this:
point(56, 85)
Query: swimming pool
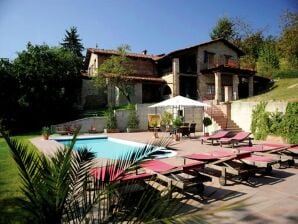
point(112, 148)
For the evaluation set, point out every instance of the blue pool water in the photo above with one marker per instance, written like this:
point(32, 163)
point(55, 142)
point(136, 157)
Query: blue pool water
point(109, 148)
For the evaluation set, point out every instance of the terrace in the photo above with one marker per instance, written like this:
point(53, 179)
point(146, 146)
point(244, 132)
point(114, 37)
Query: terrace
point(271, 198)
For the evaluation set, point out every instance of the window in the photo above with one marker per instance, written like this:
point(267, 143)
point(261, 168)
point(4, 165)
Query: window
point(210, 89)
point(227, 58)
point(209, 57)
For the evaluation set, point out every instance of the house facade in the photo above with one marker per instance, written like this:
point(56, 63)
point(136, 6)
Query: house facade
point(207, 71)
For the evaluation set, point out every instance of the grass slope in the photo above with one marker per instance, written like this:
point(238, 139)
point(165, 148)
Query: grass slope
point(282, 90)
point(10, 185)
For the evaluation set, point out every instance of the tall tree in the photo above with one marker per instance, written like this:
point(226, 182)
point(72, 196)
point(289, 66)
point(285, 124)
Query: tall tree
point(116, 70)
point(251, 45)
point(9, 94)
point(268, 61)
point(49, 81)
point(72, 42)
point(223, 29)
point(288, 42)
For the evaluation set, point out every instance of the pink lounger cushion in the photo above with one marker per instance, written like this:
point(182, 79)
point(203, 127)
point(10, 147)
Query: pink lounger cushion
point(238, 137)
point(217, 135)
point(136, 176)
point(256, 148)
point(102, 173)
point(210, 156)
point(160, 166)
point(264, 159)
point(157, 166)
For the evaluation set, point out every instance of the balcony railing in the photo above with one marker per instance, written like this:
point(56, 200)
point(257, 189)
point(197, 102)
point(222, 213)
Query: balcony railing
point(232, 63)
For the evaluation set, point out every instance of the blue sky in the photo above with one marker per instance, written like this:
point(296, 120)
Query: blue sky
point(159, 26)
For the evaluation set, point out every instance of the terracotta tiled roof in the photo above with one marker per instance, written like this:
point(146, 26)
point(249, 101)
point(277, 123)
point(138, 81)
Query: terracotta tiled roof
point(114, 52)
point(229, 44)
point(141, 78)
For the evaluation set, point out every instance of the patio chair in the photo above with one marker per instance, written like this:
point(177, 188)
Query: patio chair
point(215, 137)
point(184, 130)
point(192, 128)
point(181, 177)
point(235, 140)
point(230, 164)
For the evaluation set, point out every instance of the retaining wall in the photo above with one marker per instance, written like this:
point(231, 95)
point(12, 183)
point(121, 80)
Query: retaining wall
point(191, 115)
point(241, 112)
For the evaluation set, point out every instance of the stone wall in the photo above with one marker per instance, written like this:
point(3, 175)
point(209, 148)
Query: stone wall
point(91, 96)
point(241, 112)
point(85, 123)
point(191, 115)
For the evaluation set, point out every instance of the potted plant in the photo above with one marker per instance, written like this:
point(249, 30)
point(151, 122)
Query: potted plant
point(46, 132)
point(111, 121)
point(177, 122)
point(155, 129)
point(206, 122)
point(166, 120)
point(132, 120)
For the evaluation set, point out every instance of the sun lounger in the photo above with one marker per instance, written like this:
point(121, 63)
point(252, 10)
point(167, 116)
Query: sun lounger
point(130, 187)
point(215, 136)
point(241, 164)
point(111, 174)
point(235, 140)
point(280, 152)
point(180, 177)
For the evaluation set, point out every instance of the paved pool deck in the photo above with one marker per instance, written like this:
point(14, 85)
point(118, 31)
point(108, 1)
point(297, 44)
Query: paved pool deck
point(269, 199)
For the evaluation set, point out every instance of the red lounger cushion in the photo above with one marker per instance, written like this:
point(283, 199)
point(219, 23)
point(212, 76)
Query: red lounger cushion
point(110, 173)
point(157, 166)
point(259, 158)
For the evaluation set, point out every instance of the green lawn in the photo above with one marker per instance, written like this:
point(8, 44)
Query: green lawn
point(283, 89)
point(10, 185)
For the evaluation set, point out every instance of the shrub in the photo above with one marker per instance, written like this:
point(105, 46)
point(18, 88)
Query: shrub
point(260, 121)
point(111, 120)
point(177, 122)
point(133, 120)
point(207, 121)
point(45, 131)
point(289, 124)
point(275, 119)
point(166, 118)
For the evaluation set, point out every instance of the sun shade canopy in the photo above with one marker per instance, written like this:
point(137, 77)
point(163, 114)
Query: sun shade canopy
point(180, 101)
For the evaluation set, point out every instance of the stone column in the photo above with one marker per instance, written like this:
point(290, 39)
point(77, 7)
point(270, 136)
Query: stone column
point(228, 93)
point(176, 81)
point(218, 95)
point(235, 87)
point(250, 86)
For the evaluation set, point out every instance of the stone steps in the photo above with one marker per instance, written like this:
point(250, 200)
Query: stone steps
point(222, 120)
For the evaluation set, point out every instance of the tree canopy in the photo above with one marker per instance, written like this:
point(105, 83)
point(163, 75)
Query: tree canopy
point(116, 69)
point(224, 28)
point(269, 55)
point(44, 83)
point(72, 42)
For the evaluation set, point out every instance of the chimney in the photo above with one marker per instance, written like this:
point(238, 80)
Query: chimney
point(144, 52)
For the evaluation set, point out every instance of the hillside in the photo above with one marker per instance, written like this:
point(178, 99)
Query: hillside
point(282, 89)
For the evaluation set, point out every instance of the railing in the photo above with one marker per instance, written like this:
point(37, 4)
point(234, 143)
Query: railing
point(217, 61)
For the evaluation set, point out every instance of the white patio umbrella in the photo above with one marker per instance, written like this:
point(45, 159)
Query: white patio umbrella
point(180, 101)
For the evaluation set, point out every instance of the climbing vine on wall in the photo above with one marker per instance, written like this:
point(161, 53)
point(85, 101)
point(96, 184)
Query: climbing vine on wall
point(289, 123)
point(276, 123)
point(260, 121)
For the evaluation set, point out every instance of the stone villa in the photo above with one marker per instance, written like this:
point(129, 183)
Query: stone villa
point(209, 70)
